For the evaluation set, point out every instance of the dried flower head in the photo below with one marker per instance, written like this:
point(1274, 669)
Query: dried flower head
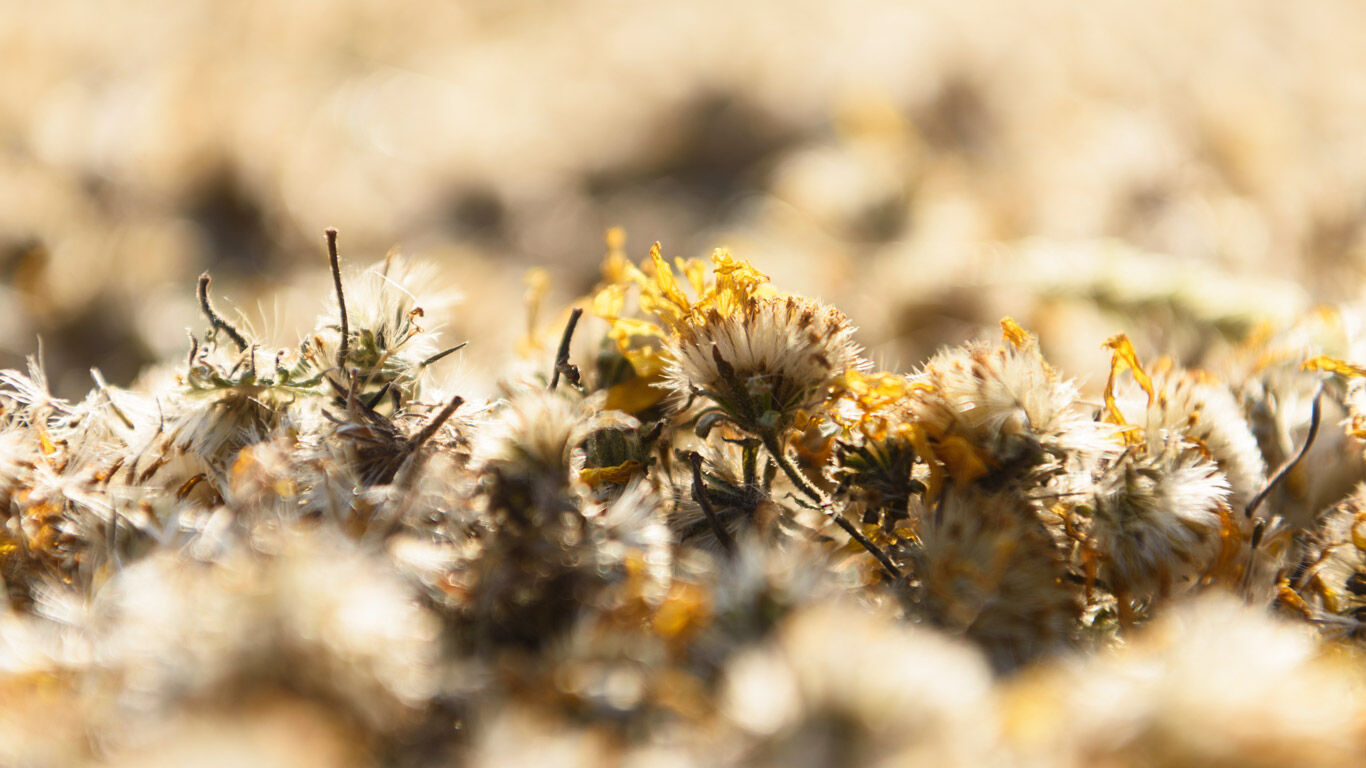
point(387, 348)
point(1212, 682)
point(1157, 523)
point(985, 566)
point(765, 364)
point(842, 686)
point(761, 359)
point(1001, 410)
point(1330, 583)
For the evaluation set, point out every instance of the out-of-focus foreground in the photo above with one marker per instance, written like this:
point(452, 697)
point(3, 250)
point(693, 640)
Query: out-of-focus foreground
point(701, 520)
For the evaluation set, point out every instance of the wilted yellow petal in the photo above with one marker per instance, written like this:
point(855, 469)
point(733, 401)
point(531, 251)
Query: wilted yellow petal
point(615, 267)
point(737, 282)
point(696, 272)
point(1016, 335)
point(1359, 532)
point(665, 295)
point(635, 394)
point(920, 441)
point(965, 463)
point(647, 361)
point(620, 474)
point(1124, 358)
point(1332, 365)
point(685, 609)
point(609, 302)
point(1356, 427)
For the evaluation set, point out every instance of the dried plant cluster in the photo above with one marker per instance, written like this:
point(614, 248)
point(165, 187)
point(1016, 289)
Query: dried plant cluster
point(702, 530)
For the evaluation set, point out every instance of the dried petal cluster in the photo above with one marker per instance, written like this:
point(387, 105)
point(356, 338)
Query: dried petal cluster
point(714, 538)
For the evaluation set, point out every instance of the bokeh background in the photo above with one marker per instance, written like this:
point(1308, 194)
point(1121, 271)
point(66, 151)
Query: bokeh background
point(1177, 170)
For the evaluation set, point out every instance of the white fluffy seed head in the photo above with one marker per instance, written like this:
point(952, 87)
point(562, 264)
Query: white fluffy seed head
point(764, 362)
point(1156, 521)
point(988, 569)
point(1199, 413)
point(1008, 403)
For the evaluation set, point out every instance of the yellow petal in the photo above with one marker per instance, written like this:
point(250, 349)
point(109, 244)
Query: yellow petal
point(1016, 335)
point(1332, 365)
point(1124, 358)
point(609, 302)
point(964, 461)
point(635, 394)
point(696, 272)
point(647, 361)
point(615, 266)
point(620, 474)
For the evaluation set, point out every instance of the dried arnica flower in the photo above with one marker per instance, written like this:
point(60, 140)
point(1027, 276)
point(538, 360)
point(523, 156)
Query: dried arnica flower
point(1001, 410)
point(760, 358)
point(1159, 522)
point(1213, 682)
point(767, 362)
point(236, 396)
point(1330, 586)
point(384, 345)
point(986, 567)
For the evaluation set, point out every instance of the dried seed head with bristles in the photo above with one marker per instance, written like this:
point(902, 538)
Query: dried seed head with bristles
point(760, 358)
point(1199, 413)
point(378, 333)
point(1158, 523)
point(841, 686)
point(985, 566)
point(766, 363)
point(1212, 682)
point(1001, 410)
point(1331, 580)
point(316, 616)
point(234, 398)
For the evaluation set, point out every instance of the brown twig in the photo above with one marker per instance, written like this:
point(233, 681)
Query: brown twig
point(335, 262)
point(699, 494)
point(562, 364)
point(215, 319)
point(814, 493)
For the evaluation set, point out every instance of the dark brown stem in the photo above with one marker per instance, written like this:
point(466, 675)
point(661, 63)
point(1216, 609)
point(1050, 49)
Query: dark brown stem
point(441, 354)
point(215, 319)
point(699, 494)
point(562, 364)
point(1315, 415)
point(805, 486)
point(335, 261)
point(436, 422)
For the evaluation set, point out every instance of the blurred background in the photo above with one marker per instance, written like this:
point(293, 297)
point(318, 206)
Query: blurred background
point(1181, 171)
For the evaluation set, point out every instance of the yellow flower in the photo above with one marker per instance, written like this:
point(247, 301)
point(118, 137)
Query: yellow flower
point(759, 356)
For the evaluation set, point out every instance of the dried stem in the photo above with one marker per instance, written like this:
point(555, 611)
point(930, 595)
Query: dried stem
point(805, 486)
point(441, 354)
point(699, 494)
point(562, 364)
point(215, 319)
point(335, 262)
point(436, 422)
point(1315, 415)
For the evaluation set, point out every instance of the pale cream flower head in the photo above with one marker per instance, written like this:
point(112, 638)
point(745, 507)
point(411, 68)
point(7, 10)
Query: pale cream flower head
point(765, 363)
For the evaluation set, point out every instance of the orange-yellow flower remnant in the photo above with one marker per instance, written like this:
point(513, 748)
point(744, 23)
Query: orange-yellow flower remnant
point(762, 358)
point(1124, 359)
